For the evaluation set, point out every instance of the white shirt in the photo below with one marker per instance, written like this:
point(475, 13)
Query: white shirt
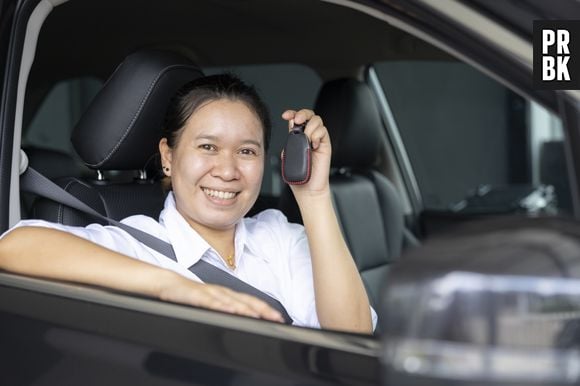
point(271, 254)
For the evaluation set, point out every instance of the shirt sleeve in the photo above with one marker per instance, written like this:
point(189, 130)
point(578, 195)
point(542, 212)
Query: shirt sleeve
point(117, 240)
point(106, 236)
point(299, 299)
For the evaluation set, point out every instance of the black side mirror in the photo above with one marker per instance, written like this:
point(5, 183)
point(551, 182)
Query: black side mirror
point(497, 304)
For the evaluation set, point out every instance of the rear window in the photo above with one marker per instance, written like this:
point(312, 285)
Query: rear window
point(474, 145)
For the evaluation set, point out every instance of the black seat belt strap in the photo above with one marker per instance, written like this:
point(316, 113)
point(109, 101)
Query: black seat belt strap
point(34, 182)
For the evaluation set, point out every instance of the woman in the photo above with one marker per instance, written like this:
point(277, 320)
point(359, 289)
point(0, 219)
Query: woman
point(213, 153)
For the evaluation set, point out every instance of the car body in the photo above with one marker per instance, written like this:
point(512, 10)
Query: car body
point(62, 333)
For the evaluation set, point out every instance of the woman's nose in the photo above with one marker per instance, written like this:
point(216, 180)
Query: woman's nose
point(225, 167)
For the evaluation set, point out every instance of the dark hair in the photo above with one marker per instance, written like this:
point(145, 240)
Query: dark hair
point(196, 93)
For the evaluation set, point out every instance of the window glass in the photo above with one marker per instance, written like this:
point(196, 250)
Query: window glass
point(282, 86)
point(51, 124)
point(474, 145)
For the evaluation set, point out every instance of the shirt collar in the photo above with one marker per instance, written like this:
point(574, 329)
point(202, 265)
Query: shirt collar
point(188, 245)
point(240, 240)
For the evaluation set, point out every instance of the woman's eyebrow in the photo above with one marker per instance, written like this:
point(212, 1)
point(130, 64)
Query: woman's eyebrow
point(214, 138)
point(252, 142)
point(207, 136)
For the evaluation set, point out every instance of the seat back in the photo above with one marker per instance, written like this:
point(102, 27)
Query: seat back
point(366, 202)
point(118, 137)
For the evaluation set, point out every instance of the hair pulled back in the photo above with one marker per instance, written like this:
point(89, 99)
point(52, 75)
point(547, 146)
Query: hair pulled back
point(200, 91)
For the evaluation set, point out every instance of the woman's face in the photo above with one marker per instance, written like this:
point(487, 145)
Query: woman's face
point(216, 166)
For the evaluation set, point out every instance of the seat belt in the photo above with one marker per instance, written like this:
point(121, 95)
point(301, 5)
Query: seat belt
point(34, 182)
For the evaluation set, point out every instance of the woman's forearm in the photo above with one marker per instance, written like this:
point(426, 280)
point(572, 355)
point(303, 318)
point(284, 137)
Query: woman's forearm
point(54, 254)
point(341, 299)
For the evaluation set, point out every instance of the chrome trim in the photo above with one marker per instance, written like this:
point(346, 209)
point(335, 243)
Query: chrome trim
point(455, 8)
point(488, 30)
point(485, 28)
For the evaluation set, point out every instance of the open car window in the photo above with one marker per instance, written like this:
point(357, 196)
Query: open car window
point(476, 148)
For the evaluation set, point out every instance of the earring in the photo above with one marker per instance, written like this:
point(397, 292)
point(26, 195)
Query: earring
point(166, 169)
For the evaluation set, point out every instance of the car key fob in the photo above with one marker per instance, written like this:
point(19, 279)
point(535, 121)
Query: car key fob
point(296, 157)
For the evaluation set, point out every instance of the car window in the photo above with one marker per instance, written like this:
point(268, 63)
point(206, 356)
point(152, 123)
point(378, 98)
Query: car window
point(474, 145)
point(282, 86)
point(50, 124)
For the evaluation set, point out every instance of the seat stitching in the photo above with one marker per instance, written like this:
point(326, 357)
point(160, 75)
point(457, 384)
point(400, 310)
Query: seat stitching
point(82, 183)
point(143, 101)
point(107, 211)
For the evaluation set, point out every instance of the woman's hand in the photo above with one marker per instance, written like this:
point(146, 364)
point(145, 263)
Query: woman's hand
point(178, 289)
point(321, 152)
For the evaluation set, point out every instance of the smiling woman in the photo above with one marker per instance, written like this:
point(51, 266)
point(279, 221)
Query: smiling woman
point(212, 151)
point(216, 159)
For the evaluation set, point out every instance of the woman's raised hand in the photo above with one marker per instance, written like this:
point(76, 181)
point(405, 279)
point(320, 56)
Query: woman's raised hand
point(321, 152)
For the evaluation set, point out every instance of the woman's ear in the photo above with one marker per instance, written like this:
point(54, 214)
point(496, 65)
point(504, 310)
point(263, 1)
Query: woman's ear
point(166, 153)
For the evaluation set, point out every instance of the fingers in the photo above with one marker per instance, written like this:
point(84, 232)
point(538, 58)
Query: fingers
point(288, 115)
point(262, 308)
point(225, 300)
point(315, 129)
point(297, 117)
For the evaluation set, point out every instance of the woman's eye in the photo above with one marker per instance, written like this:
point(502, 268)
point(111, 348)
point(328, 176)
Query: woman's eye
point(248, 152)
point(207, 147)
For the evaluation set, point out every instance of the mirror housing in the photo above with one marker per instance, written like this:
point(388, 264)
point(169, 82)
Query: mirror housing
point(497, 303)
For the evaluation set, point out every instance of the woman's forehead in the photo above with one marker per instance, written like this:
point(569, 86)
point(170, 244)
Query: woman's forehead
point(225, 119)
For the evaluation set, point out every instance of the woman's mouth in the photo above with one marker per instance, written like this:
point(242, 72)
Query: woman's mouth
point(219, 194)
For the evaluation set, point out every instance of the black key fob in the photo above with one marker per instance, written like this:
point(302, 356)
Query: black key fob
point(296, 157)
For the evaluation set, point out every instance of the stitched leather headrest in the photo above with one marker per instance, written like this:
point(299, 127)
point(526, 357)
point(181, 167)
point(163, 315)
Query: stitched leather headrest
point(121, 128)
point(350, 113)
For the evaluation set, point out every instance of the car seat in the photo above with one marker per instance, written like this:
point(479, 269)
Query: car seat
point(52, 164)
point(367, 204)
point(120, 132)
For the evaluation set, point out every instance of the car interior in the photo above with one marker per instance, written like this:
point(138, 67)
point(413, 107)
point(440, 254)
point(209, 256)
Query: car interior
point(120, 132)
point(433, 126)
point(389, 100)
point(117, 180)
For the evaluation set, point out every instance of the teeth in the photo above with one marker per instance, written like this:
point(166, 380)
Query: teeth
point(219, 194)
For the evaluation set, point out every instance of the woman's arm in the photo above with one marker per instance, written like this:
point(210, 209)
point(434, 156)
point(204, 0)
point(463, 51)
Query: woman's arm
point(54, 254)
point(341, 299)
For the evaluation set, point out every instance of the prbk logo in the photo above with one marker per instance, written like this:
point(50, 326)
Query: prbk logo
point(557, 54)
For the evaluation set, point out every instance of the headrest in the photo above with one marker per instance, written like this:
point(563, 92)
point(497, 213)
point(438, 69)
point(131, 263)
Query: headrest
point(350, 113)
point(121, 128)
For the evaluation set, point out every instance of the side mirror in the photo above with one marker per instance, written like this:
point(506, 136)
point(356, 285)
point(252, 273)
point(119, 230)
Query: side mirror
point(498, 304)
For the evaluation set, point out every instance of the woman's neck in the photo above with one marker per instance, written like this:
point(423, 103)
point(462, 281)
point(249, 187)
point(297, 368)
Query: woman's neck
point(222, 240)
